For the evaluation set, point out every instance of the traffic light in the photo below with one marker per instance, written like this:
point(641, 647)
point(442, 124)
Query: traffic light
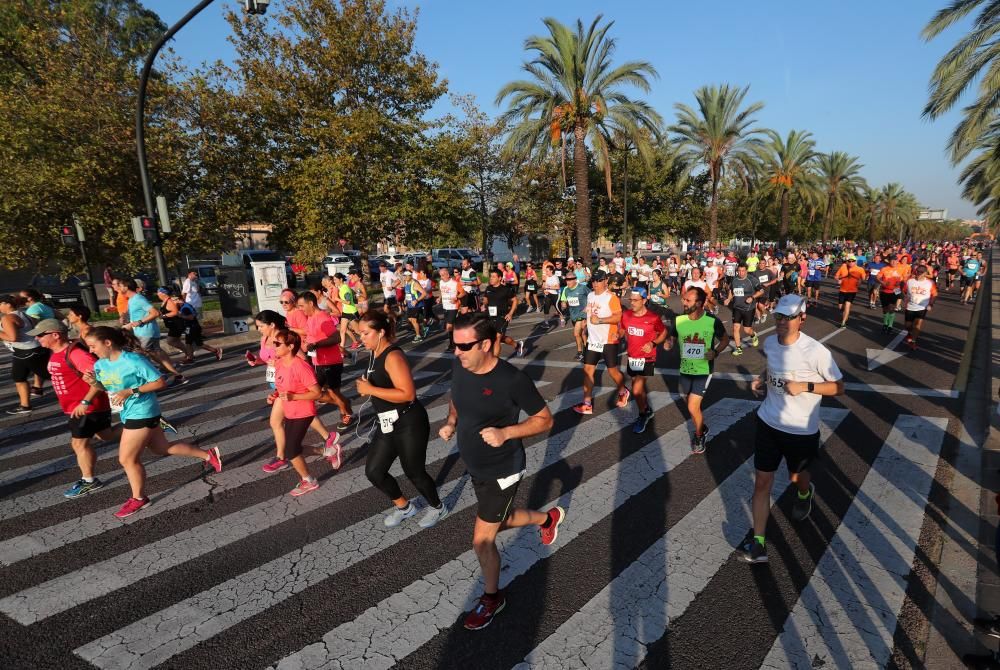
point(150, 233)
point(68, 233)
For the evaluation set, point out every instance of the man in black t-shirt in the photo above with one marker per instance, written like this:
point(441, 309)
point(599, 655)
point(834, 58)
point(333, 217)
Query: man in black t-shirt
point(487, 398)
point(500, 303)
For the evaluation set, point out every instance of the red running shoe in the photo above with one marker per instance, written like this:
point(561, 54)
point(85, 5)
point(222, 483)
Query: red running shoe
point(215, 459)
point(488, 607)
point(556, 516)
point(131, 506)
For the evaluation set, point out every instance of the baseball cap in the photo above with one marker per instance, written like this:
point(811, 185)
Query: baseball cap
point(407, 274)
point(599, 275)
point(571, 276)
point(852, 257)
point(791, 305)
point(639, 291)
point(48, 326)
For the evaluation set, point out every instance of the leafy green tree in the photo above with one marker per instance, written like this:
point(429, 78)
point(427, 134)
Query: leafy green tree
point(840, 176)
point(575, 92)
point(788, 164)
point(719, 136)
point(899, 210)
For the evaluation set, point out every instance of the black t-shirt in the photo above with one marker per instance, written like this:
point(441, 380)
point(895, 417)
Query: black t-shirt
point(499, 297)
point(616, 282)
point(492, 400)
point(791, 270)
point(743, 289)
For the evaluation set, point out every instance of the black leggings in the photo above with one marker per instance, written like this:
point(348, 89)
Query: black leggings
point(295, 431)
point(552, 300)
point(408, 443)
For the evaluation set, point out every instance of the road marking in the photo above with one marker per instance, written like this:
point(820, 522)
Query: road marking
point(156, 638)
point(846, 615)
point(615, 626)
point(877, 357)
point(384, 635)
point(830, 336)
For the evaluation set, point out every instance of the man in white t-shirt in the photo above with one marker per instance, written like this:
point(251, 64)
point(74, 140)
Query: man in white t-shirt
point(799, 372)
point(387, 278)
point(191, 290)
point(451, 299)
point(604, 314)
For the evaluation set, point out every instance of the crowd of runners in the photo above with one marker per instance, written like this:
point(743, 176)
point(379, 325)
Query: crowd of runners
point(614, 307)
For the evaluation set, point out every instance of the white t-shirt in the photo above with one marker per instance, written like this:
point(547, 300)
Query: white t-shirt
point(387, 278)
point(804, 361)
point(449, 294)
point(192, 292)
point(712, 275)
point(645, 272)
point(619, 264)
point(919, 292)
point(603, 305)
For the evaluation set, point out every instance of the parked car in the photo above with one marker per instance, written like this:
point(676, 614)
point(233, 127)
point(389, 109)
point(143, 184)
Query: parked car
point(335, 263)
point(58, 292)
point(452, 257)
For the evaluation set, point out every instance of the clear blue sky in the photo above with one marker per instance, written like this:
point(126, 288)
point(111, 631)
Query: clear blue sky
point(853, 72)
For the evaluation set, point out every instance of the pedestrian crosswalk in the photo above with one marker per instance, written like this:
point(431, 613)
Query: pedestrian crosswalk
point(229, 567)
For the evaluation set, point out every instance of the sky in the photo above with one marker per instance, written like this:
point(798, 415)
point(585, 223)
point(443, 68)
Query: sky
point(854, 73)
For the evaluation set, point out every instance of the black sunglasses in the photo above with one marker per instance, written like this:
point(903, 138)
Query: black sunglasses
point(467, 346)
point(287, 302)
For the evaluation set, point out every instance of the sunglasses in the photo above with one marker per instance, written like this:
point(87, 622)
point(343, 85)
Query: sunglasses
point(287, 302)
point(279, 343)
point(467, 346)
point(783, 317)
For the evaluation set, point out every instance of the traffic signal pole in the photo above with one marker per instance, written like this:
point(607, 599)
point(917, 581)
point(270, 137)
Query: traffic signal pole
point(140, 133)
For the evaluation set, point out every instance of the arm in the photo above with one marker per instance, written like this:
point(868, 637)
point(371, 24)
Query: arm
point(513, 306)
point(819, 388)
point(402, 381)
point(448, 429)
point(8, 332)
point(533, 425)
point(313, 393)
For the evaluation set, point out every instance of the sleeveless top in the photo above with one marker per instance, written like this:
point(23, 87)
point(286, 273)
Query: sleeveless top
point(379, 378)
point(24, 342)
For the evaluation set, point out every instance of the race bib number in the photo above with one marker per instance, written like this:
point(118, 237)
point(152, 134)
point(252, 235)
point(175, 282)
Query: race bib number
point(730, 272)
point(874, 273)
point(764, 278)
point(896, 291)
point(636, 364)
point(492, 310)
point(738, 292)
point(116, 406)
point(269, 374)
point(507, 482)
point(386, 419)
point(635, 332)
point(673, 274)
point(596, 346)
point(776, 380)
point(573, 301)
point(693, 350)
point(311, 353)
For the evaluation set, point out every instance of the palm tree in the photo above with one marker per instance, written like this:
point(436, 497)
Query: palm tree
point(718, 136)
point(575, 93)
point(871, 200)
point(899, 209)
point(840, 176)
point(973, 55)
point(787, 163)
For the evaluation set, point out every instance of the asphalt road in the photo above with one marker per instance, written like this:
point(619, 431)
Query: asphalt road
point(229, 571)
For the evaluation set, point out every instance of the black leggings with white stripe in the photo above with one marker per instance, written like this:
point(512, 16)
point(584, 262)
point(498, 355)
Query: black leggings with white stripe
point(408, 443)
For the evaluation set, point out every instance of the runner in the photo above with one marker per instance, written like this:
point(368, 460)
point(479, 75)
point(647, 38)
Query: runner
point(322, 345)
point(470, 282)
point(170, 311)
point(890, 281)
point(78, 317)
point(874, 267)
point(490, 443)
point(414, 295)
point(849, 276)
point(297, 389)
point(702, 337)
point(27, 357)
point(387, 278)
point(574, 303)
point(500, 302)
point(142, 322)
point(131, 383)
point(604, 316)
point(921, 293)
point(193, 334)
point(970, 277)
point(767, 277)
point(645, 332)
point(35, 306)
point(816, 269)
point(401, 428)
point(191, 291)
point(551, 288)
point(531, 283)
point(953, 261)
point(451, 298)
point(799, 372)
point(87, 408)
point(347, 304)
point(742, 300)
point(659, 291)
point(356, 284)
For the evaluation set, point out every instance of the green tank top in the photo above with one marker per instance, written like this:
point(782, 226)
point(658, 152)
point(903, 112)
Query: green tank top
point(347, 295)
point(695, 339)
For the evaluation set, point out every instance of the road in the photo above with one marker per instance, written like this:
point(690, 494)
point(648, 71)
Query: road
point(229, 571)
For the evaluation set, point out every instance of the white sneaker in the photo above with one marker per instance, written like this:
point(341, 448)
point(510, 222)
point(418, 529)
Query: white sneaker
point(520, 348)
point(396, 516)
point(433, 515)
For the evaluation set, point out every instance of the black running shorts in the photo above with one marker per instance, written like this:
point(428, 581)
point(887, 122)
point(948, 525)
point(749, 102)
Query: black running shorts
point(888, 299)
point(495, 503)
point(609, 354)
point(744, 317)
point(88, 425)
point(329, 376)
point(771, 445)
point(843, 298)
point(912, 315)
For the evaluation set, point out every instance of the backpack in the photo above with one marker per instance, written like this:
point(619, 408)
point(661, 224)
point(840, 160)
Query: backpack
point(76, 344)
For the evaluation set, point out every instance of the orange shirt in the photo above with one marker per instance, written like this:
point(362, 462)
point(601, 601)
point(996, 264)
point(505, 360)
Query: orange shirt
point(890, 278)
point(849, 278)
point(121, 303)
point(905, 270)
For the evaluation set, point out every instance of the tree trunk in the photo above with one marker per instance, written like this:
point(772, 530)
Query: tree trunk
point(871, 228)
point(826, 218)
point(783, 233)
point(582, 195)
point(713, 208)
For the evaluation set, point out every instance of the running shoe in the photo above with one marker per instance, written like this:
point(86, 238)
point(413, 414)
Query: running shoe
point(556, 516)
point(304, 486)
point(754, 552)
point(623, 397)
point(131, 506)
point(218, 354)
point(698, 442)
point(803, 506)
point(180, 380)
point(584, 408)
point(167, 426)
point(482, 614)
point(520, 348)
point(562, 323)
point(214, 459)
point(642, 421)
point(19, 410)
point(988, 625)
point(843, 324)
point(83, 487)
point(276, 465)
point(763, 317)
point(333, 454)
point(355, 345)
point(579, 356)
point(755, 341)
point(37, 392)
point(417, 339)
point(738, 351)
point(346, 421)
point(433, 516)
point(913, 345)
point(397, 515)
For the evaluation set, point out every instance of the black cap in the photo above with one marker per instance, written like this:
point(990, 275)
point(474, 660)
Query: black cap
point(599, 275)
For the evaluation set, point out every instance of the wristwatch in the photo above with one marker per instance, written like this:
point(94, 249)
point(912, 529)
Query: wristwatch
point(85, 403)
point(811, 387)
point(135, 391)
